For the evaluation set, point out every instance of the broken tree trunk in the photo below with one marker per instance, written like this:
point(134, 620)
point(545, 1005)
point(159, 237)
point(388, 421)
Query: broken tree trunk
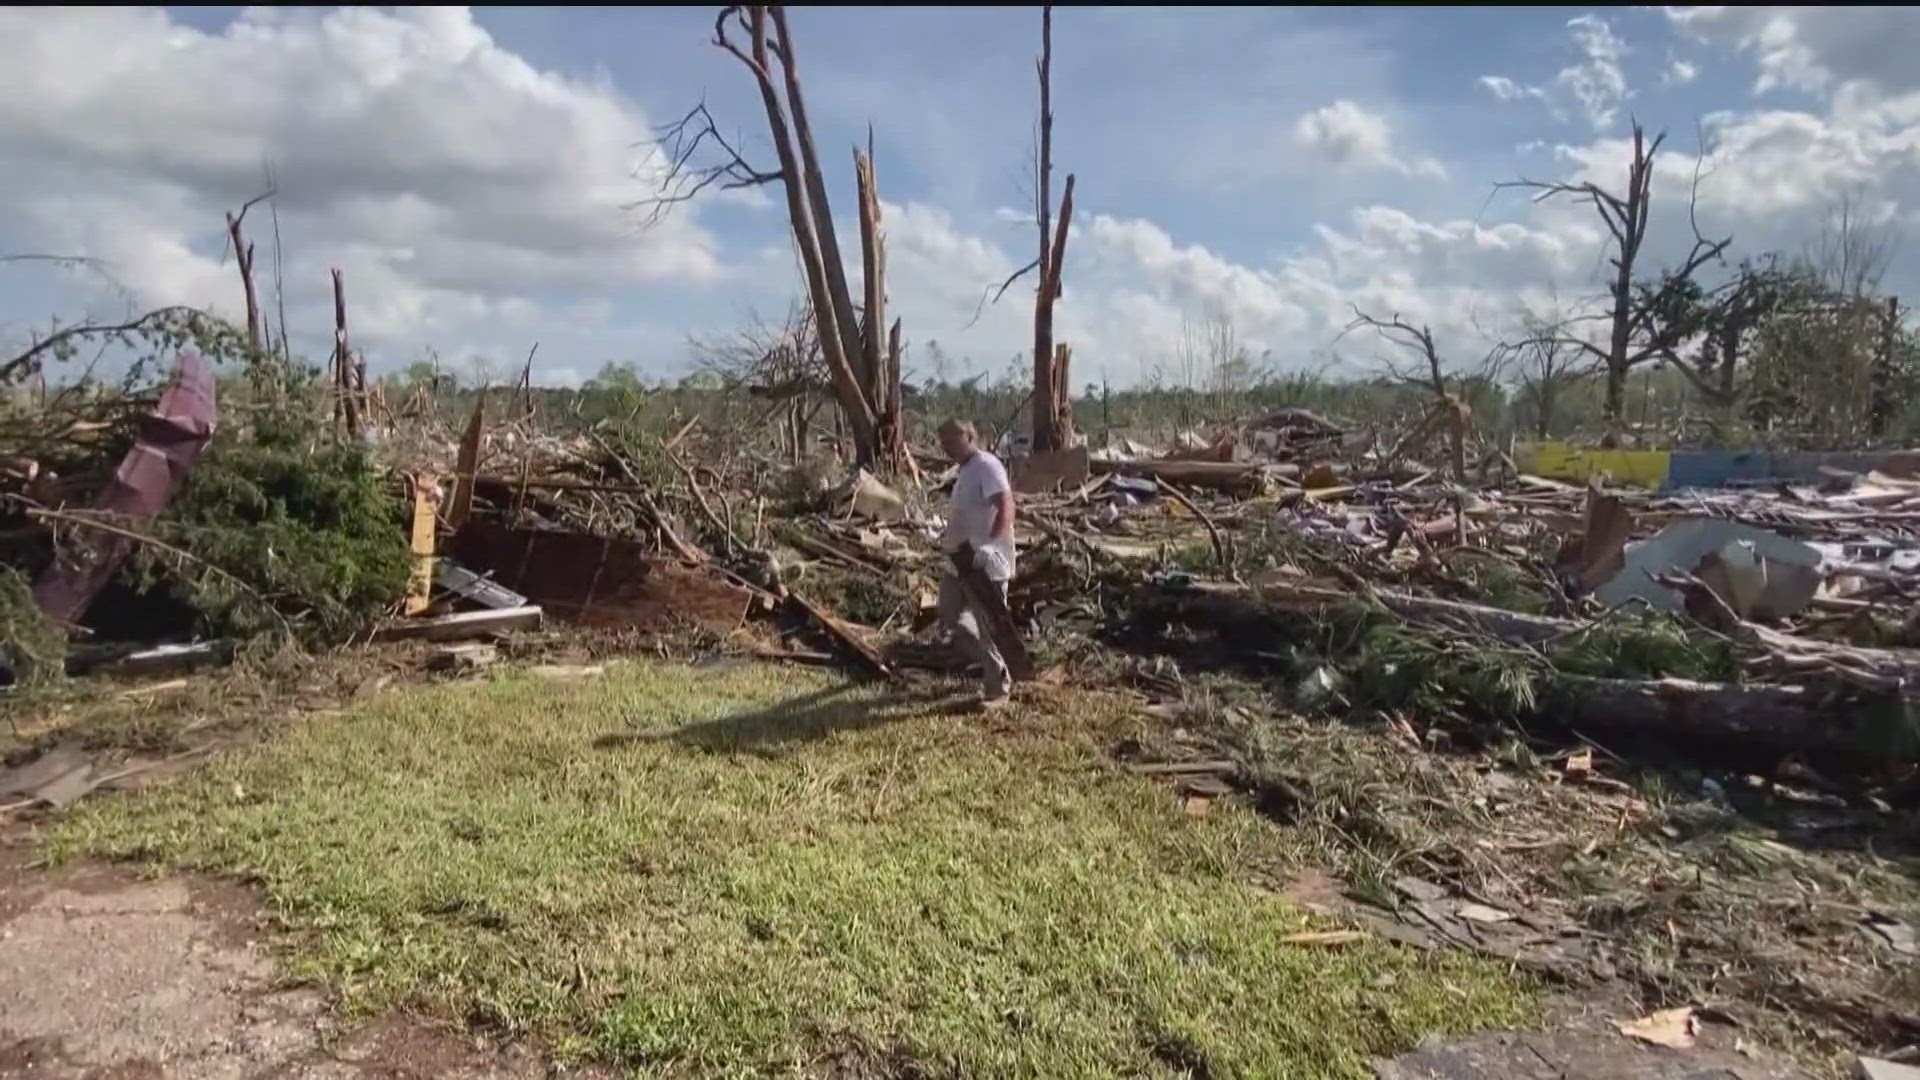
point(827, 311)
point(892, 427)
point(1052, 408)
point(1509, 626)
point(347, 405)
point(882, 354)
point(243, 255)
point(873, 260)
point(1751, 727)
point(836, 272)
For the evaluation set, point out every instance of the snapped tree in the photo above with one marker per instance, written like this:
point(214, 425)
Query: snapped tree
point(1633, 332)
point(1052, 395)
point(862, 367)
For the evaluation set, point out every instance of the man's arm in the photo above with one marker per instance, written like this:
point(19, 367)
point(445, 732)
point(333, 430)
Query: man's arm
point(1003, 514)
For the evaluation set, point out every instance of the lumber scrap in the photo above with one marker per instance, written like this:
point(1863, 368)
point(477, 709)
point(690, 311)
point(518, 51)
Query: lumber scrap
point(845, 634)
point(464, 624)
point(1231, 478)
point(426, 497)
point(460, 507)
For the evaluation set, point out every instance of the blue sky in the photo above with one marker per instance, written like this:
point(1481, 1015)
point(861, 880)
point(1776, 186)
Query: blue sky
point(1268, 167)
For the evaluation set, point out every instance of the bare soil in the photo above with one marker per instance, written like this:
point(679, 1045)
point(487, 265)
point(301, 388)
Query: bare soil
point(106, 975)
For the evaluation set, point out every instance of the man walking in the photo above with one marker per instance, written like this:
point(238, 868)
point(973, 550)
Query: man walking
point(981, 515)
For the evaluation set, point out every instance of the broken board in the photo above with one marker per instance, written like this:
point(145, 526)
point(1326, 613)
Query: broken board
point(426, 498)
point(1000, 626)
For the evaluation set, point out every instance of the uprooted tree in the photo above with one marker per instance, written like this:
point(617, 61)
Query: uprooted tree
point(1634, 334)
point(861, 354)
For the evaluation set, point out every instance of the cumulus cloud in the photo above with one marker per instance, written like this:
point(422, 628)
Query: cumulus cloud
point(1597, 81)
point(1595, 84)
point(454, 182)
point(1347, 135)
point(1131, 285)
point(1813, 48)
point(475, 200)
point(1507, 90)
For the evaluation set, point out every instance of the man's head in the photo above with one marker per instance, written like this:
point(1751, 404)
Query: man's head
point(956, 439)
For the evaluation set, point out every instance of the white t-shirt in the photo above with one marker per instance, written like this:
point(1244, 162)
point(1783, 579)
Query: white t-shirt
point(970, 517)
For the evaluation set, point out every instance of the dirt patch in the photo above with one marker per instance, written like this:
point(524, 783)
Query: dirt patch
point(105, 975)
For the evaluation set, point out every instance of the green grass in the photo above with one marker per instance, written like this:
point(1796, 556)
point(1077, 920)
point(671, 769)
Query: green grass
point(738, 870)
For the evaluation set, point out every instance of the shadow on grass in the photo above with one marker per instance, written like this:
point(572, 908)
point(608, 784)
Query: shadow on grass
point(770, 731)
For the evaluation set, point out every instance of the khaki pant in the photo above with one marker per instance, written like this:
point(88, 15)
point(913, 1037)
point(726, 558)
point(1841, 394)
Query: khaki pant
point(964, 619)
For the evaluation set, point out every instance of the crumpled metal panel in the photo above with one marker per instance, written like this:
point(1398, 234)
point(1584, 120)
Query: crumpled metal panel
point(170, 441)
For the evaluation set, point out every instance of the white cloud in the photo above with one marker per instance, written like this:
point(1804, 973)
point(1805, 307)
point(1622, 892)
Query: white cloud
point(453, 182)
point(1597, 82)
point(474, 201)
point(1347, 135)
point(1130, 285)
point(1507, 90)
point(1813, 48)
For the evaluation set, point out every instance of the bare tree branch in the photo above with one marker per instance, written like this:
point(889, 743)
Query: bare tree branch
point(1004, 286)
point(681, 144)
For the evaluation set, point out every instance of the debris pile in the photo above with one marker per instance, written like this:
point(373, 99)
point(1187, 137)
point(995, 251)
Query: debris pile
point(1461, 693)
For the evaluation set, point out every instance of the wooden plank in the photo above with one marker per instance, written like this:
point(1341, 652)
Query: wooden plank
point(426, 493)
point(465, 624)
point(1000, 625)
point(845, 633)
point(1234, 478)
point(468, 461)
point(1176, 768)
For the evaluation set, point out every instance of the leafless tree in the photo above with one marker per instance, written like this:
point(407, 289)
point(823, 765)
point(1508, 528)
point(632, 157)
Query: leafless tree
point(1211, 360)
point(776, 361)
point(1052, 395)
point(1629, 317)
point(1545, 364)
point(279, 279)
point(243, 256)
point(1052, 391)
point(349, 374)
point(1449, 409)
point(698, 156)
point(1852, 252)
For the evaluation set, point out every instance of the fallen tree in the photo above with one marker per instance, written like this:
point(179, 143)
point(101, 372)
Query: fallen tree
point(1230, 478)
point(1397, 650)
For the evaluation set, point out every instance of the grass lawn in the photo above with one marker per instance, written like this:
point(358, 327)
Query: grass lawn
point(743, 869)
